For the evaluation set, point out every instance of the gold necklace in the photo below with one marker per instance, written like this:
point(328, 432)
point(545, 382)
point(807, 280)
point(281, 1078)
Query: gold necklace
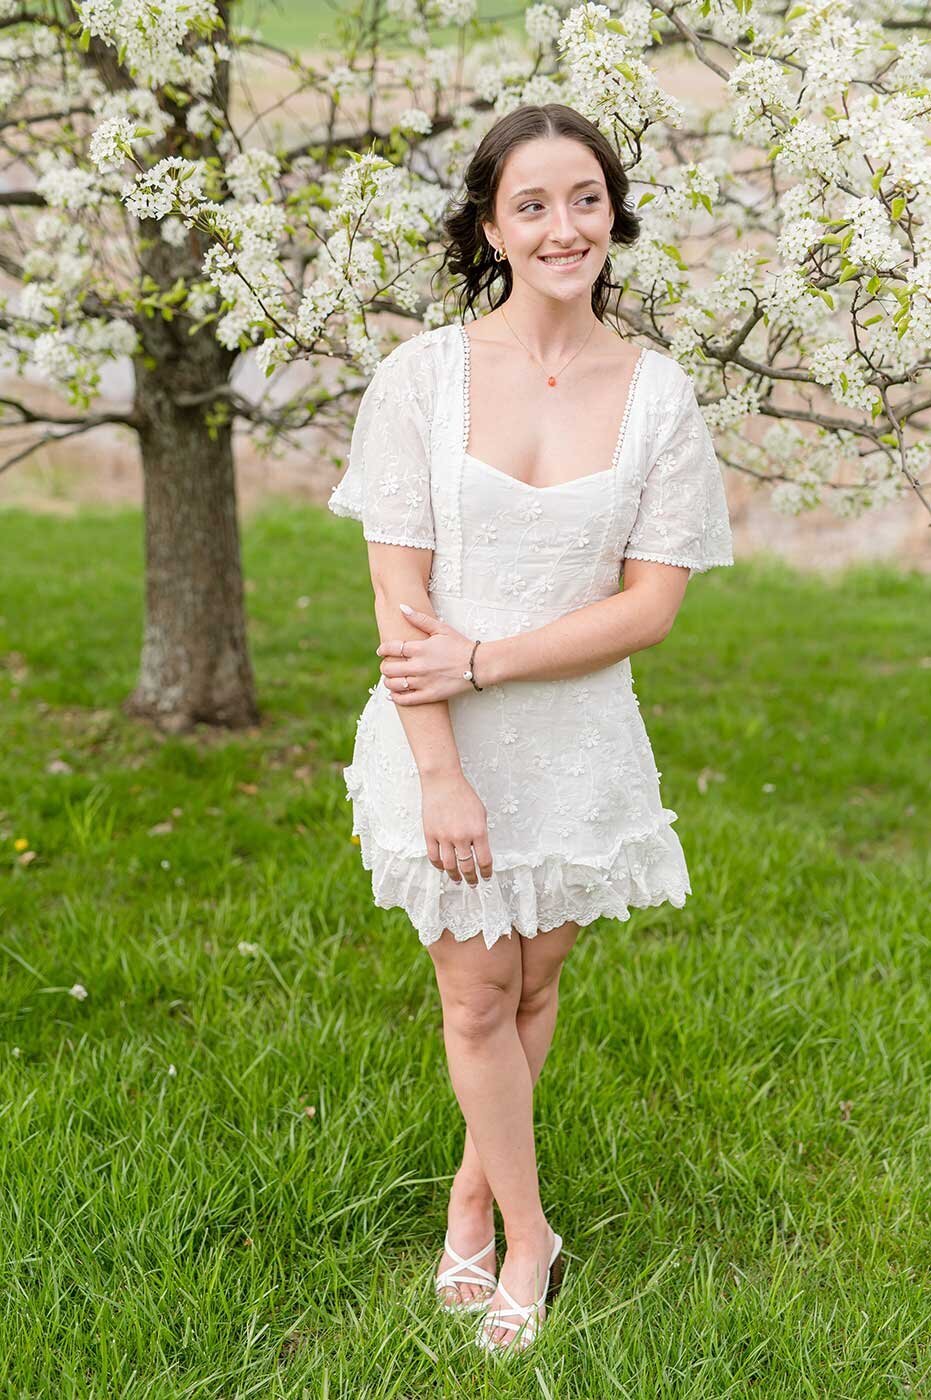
point(550, 378)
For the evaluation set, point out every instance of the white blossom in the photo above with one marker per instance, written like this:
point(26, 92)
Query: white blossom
point(415, 119)
point(111, 142)
point(250, 174)
point(542, 23)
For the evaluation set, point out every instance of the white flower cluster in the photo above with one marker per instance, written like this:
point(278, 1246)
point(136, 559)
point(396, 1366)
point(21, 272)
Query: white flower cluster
point(732, 408)
point(251, 174)
point(836, 47)
point(66, 186)
point(72, 356)
point(889, 130)
point(59, 261)
point(151, 38)
point(173, 231)
point(415, 119)
point(246, 269)
point(542, 24)
point(606, 77)
point(201, 300)
point(835, 365)
point(808, 148)
point(174, 185)
point(201, 118)
point(874, 242)
point(319, 302)
point(112, 142)
point(439, 66)
point(918, 280)
point(760, 91)
point(798, 236)
point(790, 301)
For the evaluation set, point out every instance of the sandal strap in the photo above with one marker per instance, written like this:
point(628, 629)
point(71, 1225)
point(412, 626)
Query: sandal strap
point(495, 1318)
point(522, 1309)
point(450, 1274)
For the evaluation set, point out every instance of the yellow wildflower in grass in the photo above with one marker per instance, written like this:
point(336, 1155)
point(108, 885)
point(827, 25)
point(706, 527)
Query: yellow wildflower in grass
point(20, 843)
point(354, 840)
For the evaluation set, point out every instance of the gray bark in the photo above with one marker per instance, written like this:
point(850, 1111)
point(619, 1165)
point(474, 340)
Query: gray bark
point(195, 663)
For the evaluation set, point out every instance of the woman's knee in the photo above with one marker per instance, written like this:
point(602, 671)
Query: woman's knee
point(479, 987)
point(473, 1013)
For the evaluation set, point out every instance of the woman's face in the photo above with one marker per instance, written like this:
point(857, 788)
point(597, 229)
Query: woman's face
point(552, 198)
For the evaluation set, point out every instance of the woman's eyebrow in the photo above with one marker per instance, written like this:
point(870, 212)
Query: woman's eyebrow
point(539, 189)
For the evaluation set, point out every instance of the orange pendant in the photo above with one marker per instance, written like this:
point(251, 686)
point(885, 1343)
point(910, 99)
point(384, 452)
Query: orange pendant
point(552, 379)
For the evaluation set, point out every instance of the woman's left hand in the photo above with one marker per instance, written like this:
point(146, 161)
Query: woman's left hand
point(433, 666)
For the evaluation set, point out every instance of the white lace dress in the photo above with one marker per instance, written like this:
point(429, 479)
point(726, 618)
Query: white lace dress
point(564, 767)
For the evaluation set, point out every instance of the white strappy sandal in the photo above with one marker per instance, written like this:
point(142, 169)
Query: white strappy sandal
point(456, 1273)
point(529, 1323)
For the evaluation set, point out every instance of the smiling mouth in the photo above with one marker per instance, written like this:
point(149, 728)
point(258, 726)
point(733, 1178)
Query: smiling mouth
point(573, 259)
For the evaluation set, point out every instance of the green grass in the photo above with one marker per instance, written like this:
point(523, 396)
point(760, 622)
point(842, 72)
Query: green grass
point(733, 1125)
point(312, 24)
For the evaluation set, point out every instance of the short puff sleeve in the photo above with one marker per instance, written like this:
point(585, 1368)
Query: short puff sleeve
point(387, 482)
point(682, 516)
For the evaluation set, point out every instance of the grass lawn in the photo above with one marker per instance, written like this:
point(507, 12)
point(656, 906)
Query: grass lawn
point(312, 24)
point(224, 1172)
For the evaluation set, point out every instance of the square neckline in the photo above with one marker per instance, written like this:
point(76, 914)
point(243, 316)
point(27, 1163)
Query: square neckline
point(557, 485)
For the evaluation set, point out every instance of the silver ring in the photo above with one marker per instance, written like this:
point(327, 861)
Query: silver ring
point(407, 684)
point(461, 858)
point(402, 648)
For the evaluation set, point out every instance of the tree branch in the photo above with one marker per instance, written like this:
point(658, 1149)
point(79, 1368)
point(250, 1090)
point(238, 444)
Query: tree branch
point(14, 198)
point(85, 426)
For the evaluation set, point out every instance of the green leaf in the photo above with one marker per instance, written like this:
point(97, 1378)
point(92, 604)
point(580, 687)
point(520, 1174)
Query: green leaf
point(84, 42)
point(898, 207)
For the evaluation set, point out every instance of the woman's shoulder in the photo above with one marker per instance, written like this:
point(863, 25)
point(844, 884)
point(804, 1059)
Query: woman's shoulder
point(424, 348)
point(666, 367)
point(413, 371)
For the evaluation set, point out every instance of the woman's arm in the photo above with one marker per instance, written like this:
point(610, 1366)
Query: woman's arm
point(599, 634)
point(454, 816)
point(401, 573)
point(586, 639)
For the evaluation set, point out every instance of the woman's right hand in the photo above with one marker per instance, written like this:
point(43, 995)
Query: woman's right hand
point(454, 819)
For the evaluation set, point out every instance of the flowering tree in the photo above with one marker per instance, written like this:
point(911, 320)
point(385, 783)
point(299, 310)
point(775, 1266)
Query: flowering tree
point(785, 254)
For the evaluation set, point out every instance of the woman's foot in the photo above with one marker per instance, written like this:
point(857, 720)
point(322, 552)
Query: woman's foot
point(524, 1274)
point(471, 1223)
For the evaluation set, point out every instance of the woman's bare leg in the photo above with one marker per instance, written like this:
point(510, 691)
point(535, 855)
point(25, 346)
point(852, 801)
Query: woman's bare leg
point(542, 959)
point(533, 1014)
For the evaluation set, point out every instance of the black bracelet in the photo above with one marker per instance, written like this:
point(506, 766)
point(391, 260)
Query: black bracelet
point(469, 675)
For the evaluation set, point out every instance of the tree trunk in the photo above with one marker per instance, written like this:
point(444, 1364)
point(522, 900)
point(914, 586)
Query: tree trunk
point(195, 662)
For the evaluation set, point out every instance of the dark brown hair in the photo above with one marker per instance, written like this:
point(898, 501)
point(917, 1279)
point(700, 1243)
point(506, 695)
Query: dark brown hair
point(469, 255)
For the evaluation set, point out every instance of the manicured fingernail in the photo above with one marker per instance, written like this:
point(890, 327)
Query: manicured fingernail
point(404, 608)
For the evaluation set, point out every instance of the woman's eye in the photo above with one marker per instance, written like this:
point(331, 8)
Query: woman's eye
point(534, 202)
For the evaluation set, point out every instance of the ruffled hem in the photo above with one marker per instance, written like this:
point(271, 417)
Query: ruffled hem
point(532, 895)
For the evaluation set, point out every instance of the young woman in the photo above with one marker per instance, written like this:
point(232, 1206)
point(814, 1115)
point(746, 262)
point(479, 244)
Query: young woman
point(506, 471)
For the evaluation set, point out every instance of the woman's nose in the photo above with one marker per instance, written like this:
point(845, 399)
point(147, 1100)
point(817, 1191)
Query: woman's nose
point(561, 226)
